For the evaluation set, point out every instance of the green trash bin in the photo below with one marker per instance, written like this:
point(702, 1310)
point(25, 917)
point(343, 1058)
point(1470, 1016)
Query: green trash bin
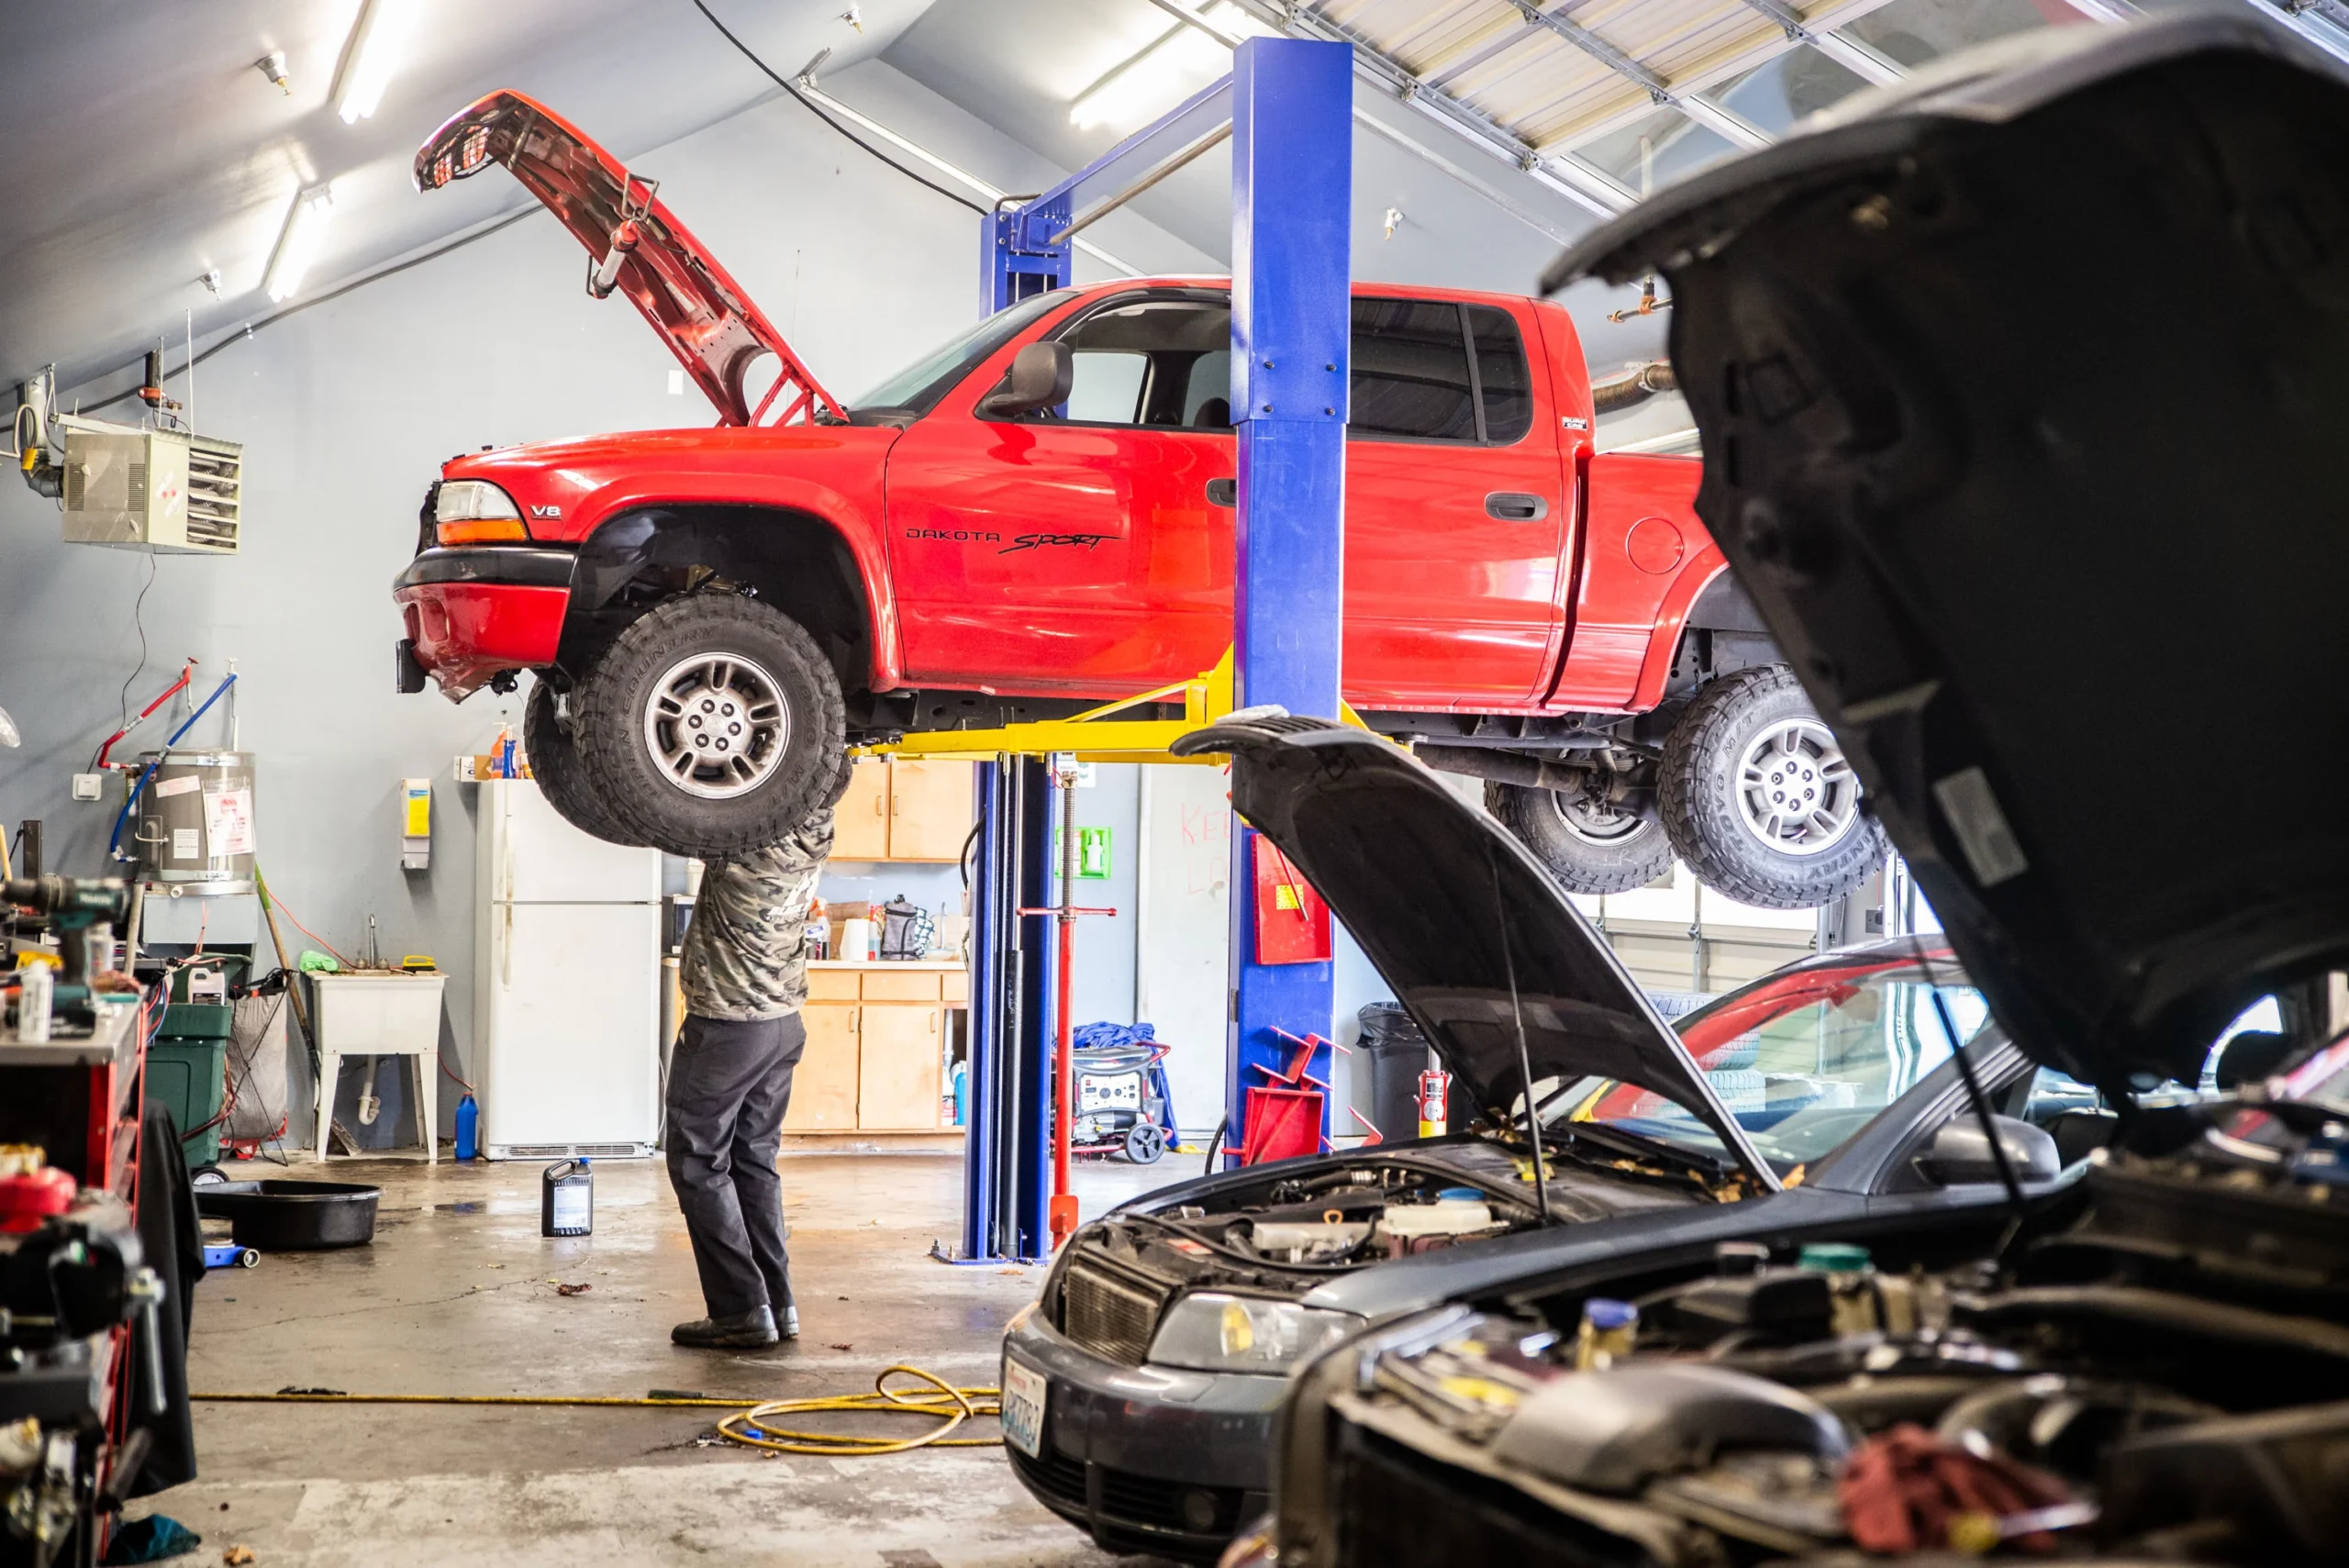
point(187, 1069)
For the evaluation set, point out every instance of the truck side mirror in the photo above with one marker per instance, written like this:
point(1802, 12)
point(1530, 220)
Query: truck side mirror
point(1960, 1153)
point(1040, 377)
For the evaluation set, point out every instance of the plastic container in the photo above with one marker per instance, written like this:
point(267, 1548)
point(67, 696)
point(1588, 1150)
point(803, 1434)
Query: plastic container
point(1609, 1329)
point(190, 1075)
point(567, 1198)
point(961, 1093)
point(468, 1130)
point(36, 996)
point(1851, 1284)
point(293, 1217)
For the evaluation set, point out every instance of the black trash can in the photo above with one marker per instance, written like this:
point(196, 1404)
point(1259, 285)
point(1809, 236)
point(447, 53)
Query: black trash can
point(1398, 1054)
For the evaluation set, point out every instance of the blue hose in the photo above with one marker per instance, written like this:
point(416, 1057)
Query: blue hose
point(113, 840)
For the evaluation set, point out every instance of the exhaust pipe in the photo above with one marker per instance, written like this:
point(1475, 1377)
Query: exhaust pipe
point(1504, 767)
point(1612, 394)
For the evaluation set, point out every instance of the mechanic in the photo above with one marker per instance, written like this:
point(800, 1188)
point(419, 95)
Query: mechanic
point(744, 972)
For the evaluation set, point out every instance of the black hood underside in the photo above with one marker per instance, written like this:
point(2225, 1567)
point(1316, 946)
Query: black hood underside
point(2024, 393)
point(1473, 935)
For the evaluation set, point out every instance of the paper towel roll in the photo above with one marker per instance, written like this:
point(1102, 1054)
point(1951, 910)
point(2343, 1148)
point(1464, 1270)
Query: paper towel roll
point(856, 941)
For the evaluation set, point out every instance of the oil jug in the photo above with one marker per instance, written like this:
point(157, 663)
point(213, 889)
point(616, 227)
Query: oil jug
point(567, 1198)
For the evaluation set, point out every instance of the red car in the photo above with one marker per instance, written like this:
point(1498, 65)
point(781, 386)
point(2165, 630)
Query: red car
point(1037, 518)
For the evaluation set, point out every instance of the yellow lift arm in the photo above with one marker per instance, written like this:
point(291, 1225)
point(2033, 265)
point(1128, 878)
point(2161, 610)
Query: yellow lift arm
point(1096, 735)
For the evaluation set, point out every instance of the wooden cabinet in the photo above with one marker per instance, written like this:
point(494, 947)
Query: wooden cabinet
point(824, 1086)
point(861, 822)
point(896, 1083)
point(876, 1047)
point(903, 808)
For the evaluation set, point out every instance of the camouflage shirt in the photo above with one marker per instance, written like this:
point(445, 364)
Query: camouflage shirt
point(746, 950)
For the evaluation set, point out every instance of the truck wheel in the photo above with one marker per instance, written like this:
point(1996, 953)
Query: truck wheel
point(554, 762)
point(1589, 846)
point(712, 726)
point(1757, 798)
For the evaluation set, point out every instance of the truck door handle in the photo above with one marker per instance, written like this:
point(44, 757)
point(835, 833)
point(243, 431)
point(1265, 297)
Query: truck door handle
point(1223, 492)
point(1516, 506)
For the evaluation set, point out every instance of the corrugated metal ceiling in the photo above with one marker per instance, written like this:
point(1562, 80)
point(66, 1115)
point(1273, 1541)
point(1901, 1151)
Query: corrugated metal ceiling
point(1545, 72)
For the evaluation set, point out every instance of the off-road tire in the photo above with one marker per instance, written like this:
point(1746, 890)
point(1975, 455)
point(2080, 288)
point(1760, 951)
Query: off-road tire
point(1580, 864)
point(608, 724)
point(554, 763)
point(1699, 797)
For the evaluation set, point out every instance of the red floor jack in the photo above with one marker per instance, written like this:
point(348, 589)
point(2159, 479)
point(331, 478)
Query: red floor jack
point(1060, 1217)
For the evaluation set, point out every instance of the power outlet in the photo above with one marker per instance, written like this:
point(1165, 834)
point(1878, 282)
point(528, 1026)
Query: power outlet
point(89, 786)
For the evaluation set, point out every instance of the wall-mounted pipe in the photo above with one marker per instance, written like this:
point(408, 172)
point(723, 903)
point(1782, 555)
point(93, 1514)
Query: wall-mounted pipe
point(1612, 394)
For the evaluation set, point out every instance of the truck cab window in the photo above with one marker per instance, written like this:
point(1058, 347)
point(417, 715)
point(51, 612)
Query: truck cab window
point(1410, 373)
point(1504, 384)
point(1162, 363)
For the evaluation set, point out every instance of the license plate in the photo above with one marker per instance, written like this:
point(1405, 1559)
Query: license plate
point(1023, 1408)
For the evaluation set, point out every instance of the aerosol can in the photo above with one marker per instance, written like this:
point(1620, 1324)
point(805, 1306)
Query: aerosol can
point(567, 1198)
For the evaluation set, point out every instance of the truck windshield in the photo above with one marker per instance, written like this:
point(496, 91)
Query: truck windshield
point(917, 388)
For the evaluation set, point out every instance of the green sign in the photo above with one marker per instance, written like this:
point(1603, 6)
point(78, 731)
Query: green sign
point(1091, 854)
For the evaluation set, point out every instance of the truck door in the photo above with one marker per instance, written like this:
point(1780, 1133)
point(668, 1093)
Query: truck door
point(1457, 514)
point(1076, 551)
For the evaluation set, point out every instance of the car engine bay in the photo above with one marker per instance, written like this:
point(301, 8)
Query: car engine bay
point(2164, 1377)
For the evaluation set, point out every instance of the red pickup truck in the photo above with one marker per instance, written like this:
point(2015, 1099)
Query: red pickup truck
point(1038, 517)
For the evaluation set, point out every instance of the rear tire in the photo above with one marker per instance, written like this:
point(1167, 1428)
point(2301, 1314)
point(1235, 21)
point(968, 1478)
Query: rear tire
point(1758, 798)
point(1587, 848)
point(554, 762)
point(712, 726)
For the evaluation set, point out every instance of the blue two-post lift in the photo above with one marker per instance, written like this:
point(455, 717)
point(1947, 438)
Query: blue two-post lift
point(1286, 110)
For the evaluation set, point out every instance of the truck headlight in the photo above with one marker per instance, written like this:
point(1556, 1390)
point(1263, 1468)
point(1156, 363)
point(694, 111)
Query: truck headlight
point(1208, 1331)
point(473, 511)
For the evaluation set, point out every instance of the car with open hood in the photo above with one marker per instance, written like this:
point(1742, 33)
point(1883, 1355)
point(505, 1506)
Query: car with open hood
point(2012, 534)
point(1038, 518)
point(1819, 1103)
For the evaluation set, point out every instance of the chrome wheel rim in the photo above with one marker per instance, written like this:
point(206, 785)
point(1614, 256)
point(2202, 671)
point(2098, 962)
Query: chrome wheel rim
point(1795, 793)
point(1597, 822)
point(716, 726)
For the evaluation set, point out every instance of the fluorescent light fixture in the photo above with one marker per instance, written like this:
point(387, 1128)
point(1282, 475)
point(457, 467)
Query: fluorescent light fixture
point(376, 45)
point(1178, 63)
point(298, 246)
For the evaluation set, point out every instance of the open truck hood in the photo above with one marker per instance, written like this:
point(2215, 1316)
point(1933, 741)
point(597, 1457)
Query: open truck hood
point(634, 245)
point(1457, 917)
point(2021, 394)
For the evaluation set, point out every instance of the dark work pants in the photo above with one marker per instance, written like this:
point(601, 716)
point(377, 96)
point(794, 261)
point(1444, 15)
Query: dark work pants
point(728, 1083)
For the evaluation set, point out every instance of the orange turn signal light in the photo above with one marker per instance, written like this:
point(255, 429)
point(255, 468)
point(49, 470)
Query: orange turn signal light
point(484, 530)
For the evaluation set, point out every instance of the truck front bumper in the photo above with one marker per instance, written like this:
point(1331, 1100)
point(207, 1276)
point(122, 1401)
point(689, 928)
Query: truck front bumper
point(477, 611)
point(1145, 1458)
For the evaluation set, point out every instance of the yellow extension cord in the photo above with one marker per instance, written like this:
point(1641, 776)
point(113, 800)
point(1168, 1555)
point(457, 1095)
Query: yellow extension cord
point(751, 1422)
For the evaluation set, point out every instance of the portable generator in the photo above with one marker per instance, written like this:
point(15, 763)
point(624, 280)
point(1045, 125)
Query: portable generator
point(1118, 1089)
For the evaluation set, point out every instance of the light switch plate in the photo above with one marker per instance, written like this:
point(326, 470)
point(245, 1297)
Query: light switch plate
point(89, 786)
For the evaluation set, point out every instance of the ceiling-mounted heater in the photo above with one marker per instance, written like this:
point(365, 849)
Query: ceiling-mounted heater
point(132, 486)
point(146, 489)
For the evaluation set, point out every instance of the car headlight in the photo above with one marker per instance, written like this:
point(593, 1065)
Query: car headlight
point(473, 511)
point(1208, 1331)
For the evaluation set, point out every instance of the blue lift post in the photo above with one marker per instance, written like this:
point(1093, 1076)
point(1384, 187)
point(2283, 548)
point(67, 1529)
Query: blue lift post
point(1288, 108)
point(1292, 190)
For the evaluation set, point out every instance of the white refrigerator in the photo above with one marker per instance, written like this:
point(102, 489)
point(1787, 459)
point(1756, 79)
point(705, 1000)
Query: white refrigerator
point(566, 983)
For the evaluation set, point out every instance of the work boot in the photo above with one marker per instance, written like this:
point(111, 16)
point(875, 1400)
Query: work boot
point(745, 1331)
point(791, 1322)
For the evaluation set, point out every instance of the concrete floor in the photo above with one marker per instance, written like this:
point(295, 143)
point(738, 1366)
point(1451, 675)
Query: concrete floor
point(457, 1296)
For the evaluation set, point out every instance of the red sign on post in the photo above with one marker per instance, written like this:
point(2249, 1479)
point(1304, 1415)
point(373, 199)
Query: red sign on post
point(1292, 923)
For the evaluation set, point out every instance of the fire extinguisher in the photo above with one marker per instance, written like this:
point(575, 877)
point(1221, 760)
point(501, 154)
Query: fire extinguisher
point(1435, 1115)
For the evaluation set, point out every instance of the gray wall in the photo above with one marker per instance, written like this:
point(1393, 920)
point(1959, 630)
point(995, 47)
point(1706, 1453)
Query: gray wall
point(347, 410)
